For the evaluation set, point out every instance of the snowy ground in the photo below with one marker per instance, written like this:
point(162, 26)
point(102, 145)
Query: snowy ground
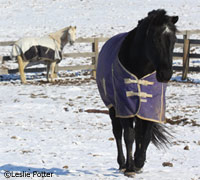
point(44, 127)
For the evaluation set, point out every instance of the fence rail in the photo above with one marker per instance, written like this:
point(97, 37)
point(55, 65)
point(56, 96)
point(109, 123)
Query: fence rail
point(185, 43)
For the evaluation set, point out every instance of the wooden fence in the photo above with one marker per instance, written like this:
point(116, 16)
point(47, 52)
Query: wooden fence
point(185, 43)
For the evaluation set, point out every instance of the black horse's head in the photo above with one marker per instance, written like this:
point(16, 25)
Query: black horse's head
point(159, 42)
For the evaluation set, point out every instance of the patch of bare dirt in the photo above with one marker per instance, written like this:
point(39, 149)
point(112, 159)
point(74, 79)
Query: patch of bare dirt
point(179, 120)
point(70, 81)
point(96, 111)
point(167, 164)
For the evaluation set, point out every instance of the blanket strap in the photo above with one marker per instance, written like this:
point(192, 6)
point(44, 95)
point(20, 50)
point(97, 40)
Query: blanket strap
point(140, 94)
point(139, 81)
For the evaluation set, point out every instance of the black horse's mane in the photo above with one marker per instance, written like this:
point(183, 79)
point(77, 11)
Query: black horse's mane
point(157, 18)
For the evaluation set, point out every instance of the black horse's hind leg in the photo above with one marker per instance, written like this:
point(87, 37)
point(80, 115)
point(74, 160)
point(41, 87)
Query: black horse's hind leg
point(129, 136)
point(143, 130)
point(117, 131)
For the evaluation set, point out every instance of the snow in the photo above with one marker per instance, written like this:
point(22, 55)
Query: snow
point(44, 127)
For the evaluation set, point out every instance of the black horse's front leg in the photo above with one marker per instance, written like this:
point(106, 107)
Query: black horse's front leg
point(143, 137)
point(129, 135)
point(117, 131)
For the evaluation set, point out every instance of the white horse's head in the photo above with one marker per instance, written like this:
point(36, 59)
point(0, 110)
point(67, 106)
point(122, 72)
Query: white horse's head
point(64, 36)
point(71, 34)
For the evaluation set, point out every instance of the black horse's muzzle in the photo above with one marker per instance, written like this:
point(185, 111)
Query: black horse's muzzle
point(164, 75)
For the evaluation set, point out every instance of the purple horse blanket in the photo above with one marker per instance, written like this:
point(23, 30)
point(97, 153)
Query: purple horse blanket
point(130, 96)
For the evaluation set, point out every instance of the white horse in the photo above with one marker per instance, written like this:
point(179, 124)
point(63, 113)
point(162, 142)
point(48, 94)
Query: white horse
point(43, 50)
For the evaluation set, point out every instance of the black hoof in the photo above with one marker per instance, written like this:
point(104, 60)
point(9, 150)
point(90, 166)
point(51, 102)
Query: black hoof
point(137, 170)
point(129, 174)
point(122, 170)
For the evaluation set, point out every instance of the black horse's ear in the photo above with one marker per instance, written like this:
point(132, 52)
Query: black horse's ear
point(174, 19)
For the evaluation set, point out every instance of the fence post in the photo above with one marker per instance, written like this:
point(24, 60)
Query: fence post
point(95, 49)
point(186, 51)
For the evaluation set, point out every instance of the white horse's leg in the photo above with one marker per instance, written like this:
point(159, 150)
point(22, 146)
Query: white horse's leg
point(53, 74)
point(22, 66)
point(48, 69)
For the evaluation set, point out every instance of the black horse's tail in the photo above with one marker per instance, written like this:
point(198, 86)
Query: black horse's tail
point(161, 138)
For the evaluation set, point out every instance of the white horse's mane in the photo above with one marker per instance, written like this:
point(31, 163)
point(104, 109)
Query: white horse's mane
point(60, 36)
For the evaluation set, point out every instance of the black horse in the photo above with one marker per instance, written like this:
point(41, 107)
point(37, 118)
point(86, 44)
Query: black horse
point(145, 51)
